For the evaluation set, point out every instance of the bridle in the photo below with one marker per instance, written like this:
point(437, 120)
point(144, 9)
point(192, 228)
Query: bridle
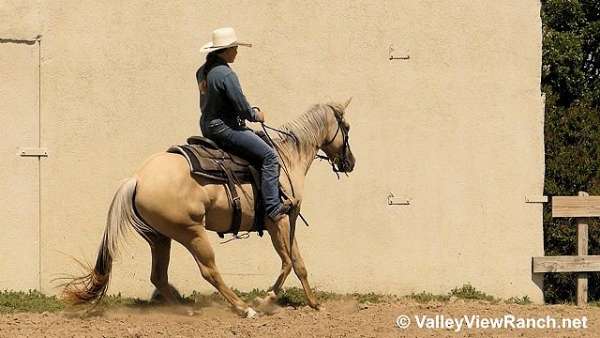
point(341, 126)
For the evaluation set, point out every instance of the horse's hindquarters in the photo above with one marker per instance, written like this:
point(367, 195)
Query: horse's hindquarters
point(164, 195)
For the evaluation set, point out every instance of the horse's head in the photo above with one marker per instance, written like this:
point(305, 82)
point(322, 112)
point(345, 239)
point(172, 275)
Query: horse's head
point(337, 145)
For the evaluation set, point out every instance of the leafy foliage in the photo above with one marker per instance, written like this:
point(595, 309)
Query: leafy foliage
point(571, 81)
point(31, 301)
point(525, 300)
point(426, 297)
point(467, 291)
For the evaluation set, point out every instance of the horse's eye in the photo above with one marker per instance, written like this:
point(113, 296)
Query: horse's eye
point(347, 126)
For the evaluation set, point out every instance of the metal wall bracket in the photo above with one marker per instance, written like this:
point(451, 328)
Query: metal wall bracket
point(393, 200)
point(536, 199)
point(33, 152)
point(395, 56)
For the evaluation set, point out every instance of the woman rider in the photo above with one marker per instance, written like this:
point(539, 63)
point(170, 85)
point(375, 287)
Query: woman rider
point(224, 109)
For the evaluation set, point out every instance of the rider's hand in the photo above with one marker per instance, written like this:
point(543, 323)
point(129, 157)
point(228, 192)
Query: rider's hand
point(260, 115)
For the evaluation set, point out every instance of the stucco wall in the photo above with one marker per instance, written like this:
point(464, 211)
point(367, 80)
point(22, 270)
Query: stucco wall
point(19, 176)
point(457, 129)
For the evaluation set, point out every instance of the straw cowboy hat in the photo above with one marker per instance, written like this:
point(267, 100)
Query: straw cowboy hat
point(223, 38)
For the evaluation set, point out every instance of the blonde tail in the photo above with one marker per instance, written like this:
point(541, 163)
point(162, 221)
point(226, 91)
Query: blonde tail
point(121, 216)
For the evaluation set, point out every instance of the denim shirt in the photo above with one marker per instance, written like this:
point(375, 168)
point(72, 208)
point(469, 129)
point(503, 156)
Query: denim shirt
point(223, 103)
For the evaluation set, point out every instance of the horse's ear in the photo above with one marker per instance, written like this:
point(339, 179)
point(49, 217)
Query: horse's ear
point(347, 103)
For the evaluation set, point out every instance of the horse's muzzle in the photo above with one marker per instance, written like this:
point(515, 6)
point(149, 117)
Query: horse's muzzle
point(347, 164)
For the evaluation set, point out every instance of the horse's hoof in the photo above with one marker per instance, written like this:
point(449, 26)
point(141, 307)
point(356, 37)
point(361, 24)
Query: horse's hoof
point(271, 296)
point(250, 313)
point(269, 299)
point(267, 305)
point(185, 311)
point(192, 312)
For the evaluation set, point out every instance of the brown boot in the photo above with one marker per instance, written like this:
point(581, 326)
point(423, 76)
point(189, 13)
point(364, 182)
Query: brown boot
point(285, 209)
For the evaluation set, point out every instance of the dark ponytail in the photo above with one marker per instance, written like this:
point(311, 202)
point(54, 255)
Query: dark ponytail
point(212, 60)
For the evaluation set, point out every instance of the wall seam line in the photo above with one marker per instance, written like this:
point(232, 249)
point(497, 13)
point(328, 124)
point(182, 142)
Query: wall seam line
point(39, 41)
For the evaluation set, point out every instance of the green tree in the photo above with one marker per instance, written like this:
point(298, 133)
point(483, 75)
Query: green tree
point(571, 81)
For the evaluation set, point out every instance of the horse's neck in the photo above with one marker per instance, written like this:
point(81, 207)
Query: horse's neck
point(311, 130)
point(297, 159)
point(300, 157)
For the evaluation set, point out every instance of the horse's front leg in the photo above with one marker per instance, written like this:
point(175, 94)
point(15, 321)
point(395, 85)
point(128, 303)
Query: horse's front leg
point(300, 271)
point(279, 233)
point(280, 237)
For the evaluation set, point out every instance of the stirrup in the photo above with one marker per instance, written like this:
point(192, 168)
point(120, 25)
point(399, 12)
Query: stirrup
point(285, 209)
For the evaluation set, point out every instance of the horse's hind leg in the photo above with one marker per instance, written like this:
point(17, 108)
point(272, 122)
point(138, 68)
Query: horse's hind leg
point(200, 248)
point(160, 246)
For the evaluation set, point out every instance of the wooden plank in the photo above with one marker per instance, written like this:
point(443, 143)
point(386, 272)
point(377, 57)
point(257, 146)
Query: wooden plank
point(582, 250)
point(582, 288)
point(566, 264)
point(582, 237)
point(576, 206)
point(582, 232)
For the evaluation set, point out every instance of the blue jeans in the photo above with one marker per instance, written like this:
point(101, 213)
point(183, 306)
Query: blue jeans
point(249, 146)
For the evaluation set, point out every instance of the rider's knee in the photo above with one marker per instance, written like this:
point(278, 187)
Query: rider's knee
point(271, 159)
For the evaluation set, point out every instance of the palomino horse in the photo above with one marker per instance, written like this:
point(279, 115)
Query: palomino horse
point(173, 204)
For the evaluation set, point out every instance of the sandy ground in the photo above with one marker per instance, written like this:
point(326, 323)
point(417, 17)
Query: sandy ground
point(338, 319)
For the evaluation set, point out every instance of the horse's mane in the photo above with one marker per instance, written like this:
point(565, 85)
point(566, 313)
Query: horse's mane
point(308, 130)
point(311, 127)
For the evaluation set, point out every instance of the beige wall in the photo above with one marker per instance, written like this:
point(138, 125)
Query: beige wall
point(19, 176)
point(457, 129)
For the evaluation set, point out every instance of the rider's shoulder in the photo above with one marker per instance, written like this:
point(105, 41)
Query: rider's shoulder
point(220, 71)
